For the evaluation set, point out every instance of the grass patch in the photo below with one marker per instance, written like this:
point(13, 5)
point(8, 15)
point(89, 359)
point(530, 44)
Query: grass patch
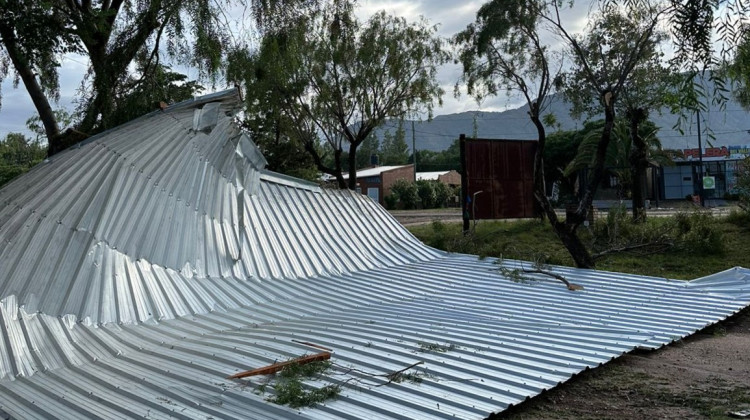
point(703, 245)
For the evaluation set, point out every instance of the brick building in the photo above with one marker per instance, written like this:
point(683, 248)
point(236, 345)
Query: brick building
point(451, 178)
point(376, 182)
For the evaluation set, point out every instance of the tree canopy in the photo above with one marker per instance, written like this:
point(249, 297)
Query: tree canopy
point(506, 49)
point(17, 155)
point(339, 79)
point(115, 36)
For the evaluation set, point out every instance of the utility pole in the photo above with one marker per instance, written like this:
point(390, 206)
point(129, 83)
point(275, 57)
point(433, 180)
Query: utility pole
point(700, 160)
point(414, 149)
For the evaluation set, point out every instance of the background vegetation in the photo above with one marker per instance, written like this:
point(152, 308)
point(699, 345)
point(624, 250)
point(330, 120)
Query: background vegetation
point(694, 244)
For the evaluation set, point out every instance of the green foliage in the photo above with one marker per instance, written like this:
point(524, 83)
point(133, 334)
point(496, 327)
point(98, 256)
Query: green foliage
point(141, 93)
point(618, 231)
point(502, 47)
point(698, 233)
point(289, 389)
point(619, 52)
point(406, 193)
point(278, 133)
point(113, 36)
point(33, 32)
point(426, 192)
point(428, 347)
point(412, 377)
point(341, 78)
point(617, 158)
point(391, 200)
point(448, 159)
point(64, 119)
point(739, 71)
point(370, 146)
point(561, 149)
point(522, 239)
point(739, 218)
point(18, 155)
point(394, 150)
point(742, 184)
point(442, 194)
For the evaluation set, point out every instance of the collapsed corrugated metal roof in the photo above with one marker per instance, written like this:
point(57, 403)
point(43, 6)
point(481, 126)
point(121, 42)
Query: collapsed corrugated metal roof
point(141, 268)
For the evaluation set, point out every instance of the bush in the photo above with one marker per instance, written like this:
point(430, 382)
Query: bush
point(406, 193)
point(619, 230)
point(390, 201)
point(742, 187)
point(739, 218)
point(426, 191)
point(697, 232)
point(442, 194)
point(440, 235)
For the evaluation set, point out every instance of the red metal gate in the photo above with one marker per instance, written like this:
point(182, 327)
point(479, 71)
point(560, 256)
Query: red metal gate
point(498, 178)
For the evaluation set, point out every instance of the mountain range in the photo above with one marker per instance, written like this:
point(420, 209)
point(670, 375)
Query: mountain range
point(725, 126)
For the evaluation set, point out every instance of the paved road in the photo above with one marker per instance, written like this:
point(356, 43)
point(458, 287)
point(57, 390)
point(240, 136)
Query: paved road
point(417, 217)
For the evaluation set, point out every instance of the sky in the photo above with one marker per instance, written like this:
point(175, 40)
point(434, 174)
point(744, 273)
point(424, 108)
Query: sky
point(450, 16)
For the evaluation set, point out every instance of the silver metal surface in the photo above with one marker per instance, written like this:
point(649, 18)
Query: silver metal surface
point(141, 268)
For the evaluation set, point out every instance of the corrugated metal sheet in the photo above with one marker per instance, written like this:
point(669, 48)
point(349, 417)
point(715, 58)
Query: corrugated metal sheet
point(140, 269)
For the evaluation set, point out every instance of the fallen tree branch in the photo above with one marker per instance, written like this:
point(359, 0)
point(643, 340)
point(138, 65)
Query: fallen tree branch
point(276, 367)
point(569, 285)
point(395, 375)
point(626, 248)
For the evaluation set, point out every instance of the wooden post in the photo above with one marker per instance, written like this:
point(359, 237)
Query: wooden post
point(464, 183)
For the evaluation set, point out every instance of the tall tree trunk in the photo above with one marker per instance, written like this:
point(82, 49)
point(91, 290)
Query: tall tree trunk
point(638, 163)
point(597, 171)
point(566, 231)
point(581, 255)
point(336, 172)
point(42, 105)
point(352, 166)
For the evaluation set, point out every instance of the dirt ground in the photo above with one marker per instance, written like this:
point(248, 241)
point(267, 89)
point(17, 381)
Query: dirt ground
point(705, 376)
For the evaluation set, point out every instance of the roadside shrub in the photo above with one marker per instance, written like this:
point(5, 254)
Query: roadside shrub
point(619, 231)
point(442, 194)
point(698, 232)
point(739, 218)
point(439, 235)
point(742, 186)
point(406, 193)
point(426, 191)
point(390, 201)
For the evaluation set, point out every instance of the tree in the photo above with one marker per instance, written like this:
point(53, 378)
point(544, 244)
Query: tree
point(560, 149)
point(112, 34)
point(428, 160)
point(143, 92)
point(442, 194)
point(368, 148)
point(503, 50)
point(406, 193)
point(343, 79)
point(394, 150)
point(277, 134)
point(427, 193)
point(618, 160)
point(649, 86)
point(18, 155)
point(739, 71)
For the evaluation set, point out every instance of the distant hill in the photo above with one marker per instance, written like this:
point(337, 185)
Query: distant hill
point(729, 127)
